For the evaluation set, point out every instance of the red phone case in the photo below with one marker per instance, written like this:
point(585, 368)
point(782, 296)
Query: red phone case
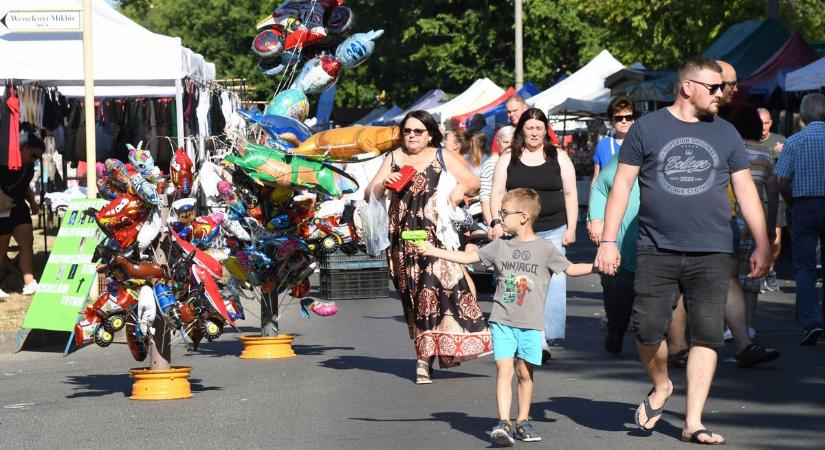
point(407, 174)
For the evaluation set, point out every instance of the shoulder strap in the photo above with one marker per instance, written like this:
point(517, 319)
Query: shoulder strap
point(441, 158)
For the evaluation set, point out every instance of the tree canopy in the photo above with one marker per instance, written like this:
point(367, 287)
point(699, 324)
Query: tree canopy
point(450, 43)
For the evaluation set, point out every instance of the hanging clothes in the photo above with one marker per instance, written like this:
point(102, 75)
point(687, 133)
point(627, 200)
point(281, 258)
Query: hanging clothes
point(203, 113)
point(216, 119)
point(5, 115)
point(14, 160)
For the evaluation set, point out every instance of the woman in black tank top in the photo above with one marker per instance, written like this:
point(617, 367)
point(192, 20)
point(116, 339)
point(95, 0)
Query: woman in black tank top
point(535, 163)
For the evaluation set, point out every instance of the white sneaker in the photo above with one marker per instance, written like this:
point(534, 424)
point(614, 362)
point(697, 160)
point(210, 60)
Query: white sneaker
point(30, 288)
point(728, 335)
point(3, 294)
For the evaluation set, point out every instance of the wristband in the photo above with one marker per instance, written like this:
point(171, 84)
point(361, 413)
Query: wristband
point(609, 242)
point(495, 222)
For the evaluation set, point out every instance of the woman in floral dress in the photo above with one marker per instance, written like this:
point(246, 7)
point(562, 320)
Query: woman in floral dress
point(442, 314)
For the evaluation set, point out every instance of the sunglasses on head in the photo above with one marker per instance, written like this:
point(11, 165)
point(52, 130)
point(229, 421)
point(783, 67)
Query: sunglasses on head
point(714, 88)
point(416, 131)
point(627, 117)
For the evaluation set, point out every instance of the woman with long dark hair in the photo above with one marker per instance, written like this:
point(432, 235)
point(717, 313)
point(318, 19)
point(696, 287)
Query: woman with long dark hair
point(534, 162)
point(442, 314)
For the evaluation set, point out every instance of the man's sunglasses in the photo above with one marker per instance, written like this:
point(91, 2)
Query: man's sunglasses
point(416, 131)
point(714, 88)
point(628, 117)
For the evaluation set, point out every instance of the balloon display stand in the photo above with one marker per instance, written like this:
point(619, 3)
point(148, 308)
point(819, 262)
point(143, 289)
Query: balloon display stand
point(168, 384)
point(267, 347)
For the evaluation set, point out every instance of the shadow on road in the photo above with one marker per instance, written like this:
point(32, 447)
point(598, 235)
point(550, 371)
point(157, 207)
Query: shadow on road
point(402, 368)
point(100, 385)
point(604, 415)
point(316, 350)
point(471, 425)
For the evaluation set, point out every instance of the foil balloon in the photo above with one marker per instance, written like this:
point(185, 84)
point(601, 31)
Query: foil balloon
point(180, 170)
point(118, 175)
point(350, 144)
point(318, 75)
point(357, 48)
point(278, 125)
point(289, 103)
point(149, 231)
point(340, 20)
point(269, 44)
point(145, 190)
point(143, 162)
point(205, 229)
point(124, 210)
point(274, 168)
point(146, 309)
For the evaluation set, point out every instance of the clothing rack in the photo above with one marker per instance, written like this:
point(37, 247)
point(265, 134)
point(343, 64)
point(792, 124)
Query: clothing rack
point(209, 84)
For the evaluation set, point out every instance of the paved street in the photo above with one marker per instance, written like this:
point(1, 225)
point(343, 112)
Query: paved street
point(351, 387)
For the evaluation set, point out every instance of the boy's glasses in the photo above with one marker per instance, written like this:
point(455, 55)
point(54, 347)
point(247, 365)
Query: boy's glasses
point(504, 213)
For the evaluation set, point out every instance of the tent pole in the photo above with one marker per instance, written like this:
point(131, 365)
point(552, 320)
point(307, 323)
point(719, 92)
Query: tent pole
point(179, 109)
point(89, 110)
point(519, 47)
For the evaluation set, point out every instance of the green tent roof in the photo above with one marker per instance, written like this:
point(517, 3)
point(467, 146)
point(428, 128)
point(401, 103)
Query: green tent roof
point(746, 46)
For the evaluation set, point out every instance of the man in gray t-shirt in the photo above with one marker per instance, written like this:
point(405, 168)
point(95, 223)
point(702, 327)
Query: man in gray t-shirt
point(524, 270)
point(684, 158)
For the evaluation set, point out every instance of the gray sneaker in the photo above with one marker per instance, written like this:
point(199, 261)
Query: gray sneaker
point(771, 282)
point(502, 434)
point(526, 433)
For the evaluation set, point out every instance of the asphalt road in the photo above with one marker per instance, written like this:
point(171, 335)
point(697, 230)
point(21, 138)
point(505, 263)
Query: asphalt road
point(351, 386)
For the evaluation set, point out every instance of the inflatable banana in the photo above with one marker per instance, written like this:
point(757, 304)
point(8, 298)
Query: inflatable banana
point(351, 144)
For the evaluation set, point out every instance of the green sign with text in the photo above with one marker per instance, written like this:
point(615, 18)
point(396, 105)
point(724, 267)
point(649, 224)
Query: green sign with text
point(69, 273)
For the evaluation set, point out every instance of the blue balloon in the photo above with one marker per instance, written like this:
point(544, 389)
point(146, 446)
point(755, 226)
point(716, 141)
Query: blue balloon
point(357, 48)
point(289, 103)
point(275, 125)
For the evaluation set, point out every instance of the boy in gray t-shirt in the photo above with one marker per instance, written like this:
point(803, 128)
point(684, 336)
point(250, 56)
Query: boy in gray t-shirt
point(524, 265)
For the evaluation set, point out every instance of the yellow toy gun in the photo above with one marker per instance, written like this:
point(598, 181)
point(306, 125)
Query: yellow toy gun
point(417, 237)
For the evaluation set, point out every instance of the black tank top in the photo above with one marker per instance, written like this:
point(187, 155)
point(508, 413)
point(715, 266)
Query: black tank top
point(546, 180)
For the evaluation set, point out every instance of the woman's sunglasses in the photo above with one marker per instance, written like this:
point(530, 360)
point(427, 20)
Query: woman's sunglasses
point(416, 131)
point(628, 118)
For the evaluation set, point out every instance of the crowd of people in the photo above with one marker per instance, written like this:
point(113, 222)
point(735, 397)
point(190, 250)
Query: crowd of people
point(687, 207)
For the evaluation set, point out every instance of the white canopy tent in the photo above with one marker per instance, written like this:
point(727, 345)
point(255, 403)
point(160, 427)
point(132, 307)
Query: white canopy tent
point(808, 78)
point(480, 93)
point(129, 60)
point(586, 84)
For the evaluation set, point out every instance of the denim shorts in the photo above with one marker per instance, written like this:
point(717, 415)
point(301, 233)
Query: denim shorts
point(523, 343)
point(702, 278)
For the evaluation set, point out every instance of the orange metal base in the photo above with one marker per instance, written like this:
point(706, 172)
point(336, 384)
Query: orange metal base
point(161, 384)
point(269, 347)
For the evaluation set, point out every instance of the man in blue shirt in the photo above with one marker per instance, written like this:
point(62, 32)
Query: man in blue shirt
point(801, 172)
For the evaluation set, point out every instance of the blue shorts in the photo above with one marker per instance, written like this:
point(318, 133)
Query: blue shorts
point(509, 342)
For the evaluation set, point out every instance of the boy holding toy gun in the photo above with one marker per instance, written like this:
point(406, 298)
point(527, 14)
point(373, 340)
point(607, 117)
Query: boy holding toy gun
point(525, 264)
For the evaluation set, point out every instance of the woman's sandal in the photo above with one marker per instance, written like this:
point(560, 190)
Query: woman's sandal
point(421, 378)
point(650, 412)
point(694, 438)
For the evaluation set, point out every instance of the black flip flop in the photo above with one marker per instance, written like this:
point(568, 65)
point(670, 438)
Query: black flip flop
point(694, 438)
point(650, 412)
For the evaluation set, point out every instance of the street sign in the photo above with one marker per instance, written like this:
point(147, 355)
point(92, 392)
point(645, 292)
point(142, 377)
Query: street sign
point(41, 21)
